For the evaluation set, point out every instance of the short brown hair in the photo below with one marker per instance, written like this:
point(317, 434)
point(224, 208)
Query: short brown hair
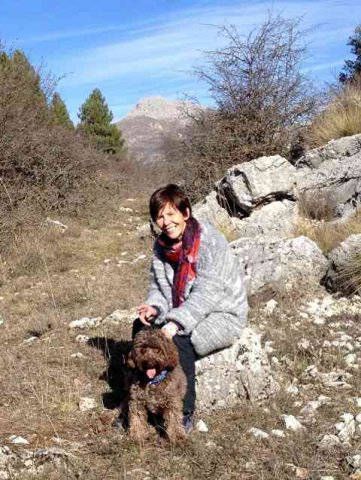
point(172, 194)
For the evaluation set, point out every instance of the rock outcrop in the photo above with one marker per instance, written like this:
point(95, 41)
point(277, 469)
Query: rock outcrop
point(241, 372)
point(335, 174)
point(281, 263)
point(259, 182)
point(340, 148)
point(260, 202)
point(342, 261)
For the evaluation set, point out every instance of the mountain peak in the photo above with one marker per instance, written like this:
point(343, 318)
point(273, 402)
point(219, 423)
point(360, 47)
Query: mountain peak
point(160, 108)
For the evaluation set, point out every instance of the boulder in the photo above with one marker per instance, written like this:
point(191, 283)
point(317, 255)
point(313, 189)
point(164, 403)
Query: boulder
point(342, 263)
point(284, 263)
point(260, 181)
point(335, 149)
point(338, 179)
point(210, 210)
point(275, 220)
point(240, 372)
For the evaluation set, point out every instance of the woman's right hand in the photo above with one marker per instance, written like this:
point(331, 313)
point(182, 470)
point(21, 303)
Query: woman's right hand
point(147, 314)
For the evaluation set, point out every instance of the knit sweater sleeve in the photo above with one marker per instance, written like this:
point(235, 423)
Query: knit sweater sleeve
point(158, 288)
point(207, 289)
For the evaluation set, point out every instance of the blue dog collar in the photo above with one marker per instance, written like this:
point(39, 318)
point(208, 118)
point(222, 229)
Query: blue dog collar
point(159, 378)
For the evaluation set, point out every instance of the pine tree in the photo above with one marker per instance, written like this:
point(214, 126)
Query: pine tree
point(352, 68)
point(28, 77)
point(59, 112)
point(95, 122)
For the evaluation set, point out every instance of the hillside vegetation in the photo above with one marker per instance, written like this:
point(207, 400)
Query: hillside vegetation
point(92, 261)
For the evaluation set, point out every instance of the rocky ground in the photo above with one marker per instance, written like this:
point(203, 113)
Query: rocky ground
point(65, 322)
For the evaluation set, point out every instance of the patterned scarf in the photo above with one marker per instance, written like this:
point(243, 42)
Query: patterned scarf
point(183, 256)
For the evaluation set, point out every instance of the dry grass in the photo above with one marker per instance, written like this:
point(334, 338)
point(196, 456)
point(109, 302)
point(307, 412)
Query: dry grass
point(342, 117)
point(53, 278)
point(228, 451)
point(320, 207)
point(316, 221)
point(327, 235)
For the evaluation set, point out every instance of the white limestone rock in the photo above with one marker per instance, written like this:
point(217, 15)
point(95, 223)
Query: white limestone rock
point(18, 440)
point(275, 220)
point(30, 340)
point(234, 374)
point(334, 149)
point(201, 426)
point(78, 355)
point(350, 359)
point(82, 338)
point(337, 177)
point(291, 423)
point(285, 263)
point(337, 379)
point(346, 428)
point(354, 461)
point(211, 211)
point(310, 409)
point(85, 322)
point(258, 433)
point(340, 258)
point(270, 307)
point(259, 181)
point(87, 403)
point(328, 442)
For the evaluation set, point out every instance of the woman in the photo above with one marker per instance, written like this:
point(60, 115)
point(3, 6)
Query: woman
point(196, 294)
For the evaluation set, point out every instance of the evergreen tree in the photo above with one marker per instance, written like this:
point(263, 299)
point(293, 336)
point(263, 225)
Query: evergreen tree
point(95, 122)
point(352, 68)
point(59, 112)
point(28, 77)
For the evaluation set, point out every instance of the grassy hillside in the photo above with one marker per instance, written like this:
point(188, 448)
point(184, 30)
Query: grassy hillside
point(83, 271)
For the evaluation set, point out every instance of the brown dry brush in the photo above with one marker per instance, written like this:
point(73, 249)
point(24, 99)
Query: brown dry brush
point(262, 101)
point(43, 167)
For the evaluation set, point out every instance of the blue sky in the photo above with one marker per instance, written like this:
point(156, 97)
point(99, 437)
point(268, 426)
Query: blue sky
point(136, 48)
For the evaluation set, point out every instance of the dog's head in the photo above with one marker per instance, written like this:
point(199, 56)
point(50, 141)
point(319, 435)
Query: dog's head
point(152, 353)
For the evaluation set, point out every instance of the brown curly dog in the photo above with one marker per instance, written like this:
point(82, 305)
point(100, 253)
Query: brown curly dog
point(158, 386)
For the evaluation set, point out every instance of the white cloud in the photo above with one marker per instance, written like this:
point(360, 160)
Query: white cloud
point(170, 46)
point(158, 53)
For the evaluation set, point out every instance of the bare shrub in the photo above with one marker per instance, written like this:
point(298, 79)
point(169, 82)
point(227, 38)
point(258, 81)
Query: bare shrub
point(43, 167)
point(341, 118)
point(316, 207)
point(261, 98)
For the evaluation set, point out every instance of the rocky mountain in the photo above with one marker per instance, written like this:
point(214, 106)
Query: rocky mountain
point(152, 121)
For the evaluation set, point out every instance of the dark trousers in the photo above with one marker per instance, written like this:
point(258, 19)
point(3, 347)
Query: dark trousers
point(187, 358)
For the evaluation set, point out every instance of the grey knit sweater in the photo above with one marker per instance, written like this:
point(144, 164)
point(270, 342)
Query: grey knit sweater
point(215, 307)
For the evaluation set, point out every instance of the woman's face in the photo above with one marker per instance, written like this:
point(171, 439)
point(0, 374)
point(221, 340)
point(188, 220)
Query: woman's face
point(171, 221)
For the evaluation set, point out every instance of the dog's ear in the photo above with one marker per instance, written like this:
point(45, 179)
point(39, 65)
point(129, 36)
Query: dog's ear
point(130, 363)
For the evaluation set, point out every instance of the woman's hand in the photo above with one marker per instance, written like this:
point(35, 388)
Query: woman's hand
point(170, 329)
point(147, 314)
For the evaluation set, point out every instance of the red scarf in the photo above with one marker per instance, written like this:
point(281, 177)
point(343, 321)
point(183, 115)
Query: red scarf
point(183, 256)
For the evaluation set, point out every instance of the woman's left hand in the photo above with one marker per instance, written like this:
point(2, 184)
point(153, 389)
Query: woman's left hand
point(169, 330)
